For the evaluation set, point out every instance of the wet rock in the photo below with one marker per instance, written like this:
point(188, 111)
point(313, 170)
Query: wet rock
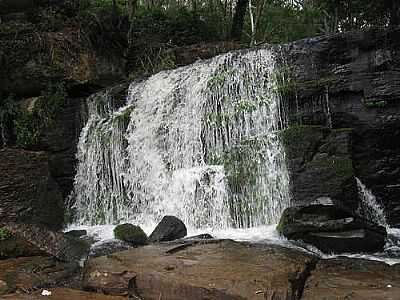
point(331, 229)
point(214, 270)
point(203, 236)
point(346, 278)
point(170, 228)
point(108, 247)
point(30, 273)
point(76, 233)
point(62, 294)
point(346, 84)
point(12, 246)
point(131, 234)
point(28, 192)
point(56, 244)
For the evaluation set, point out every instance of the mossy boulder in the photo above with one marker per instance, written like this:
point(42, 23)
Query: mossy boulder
point(130, 233)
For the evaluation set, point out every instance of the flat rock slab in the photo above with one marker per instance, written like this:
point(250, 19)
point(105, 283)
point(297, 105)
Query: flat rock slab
point(203, 270)
point(62, 294)
point(30, 273)
point(346, 278)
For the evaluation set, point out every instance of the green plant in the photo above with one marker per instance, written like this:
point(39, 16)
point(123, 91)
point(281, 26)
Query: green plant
point(375, 103)
point(4, 234)
point(29, 124)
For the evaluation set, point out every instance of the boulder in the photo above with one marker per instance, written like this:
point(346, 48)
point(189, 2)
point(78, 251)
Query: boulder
point(345, 278)
point(214, 270)
point(30, 273)
point(170, 228)
point(331, 229)
point(56, 244)
point(62, 294)
point(131, 234)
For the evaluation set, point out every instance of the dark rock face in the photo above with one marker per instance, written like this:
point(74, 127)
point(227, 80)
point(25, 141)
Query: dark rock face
point(331, 229)
point(28, 192)
point(130, 233)
point(170, 228)
point(347, 83)
point(61, 246)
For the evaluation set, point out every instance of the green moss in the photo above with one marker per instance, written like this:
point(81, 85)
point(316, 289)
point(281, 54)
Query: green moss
point(4, 234)
point(339, 166)
point(375, 103)
point(29, 125)
point(131, 234)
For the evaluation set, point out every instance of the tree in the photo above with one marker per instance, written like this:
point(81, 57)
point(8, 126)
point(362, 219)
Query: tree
point(238, 19)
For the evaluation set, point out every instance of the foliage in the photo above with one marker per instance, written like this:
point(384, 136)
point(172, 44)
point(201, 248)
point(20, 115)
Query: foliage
point(30, 124)
point(4, 234)
point(375, 103)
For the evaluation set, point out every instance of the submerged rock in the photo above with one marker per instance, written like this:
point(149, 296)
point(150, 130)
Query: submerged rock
point(208, 270)
point(132, 234)
point(170, 228)
point(331, 229)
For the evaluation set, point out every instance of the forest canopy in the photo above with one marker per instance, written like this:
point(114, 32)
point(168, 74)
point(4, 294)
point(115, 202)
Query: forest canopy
point(250, 21)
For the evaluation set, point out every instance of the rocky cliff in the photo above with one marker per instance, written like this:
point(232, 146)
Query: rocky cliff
point(342, 94)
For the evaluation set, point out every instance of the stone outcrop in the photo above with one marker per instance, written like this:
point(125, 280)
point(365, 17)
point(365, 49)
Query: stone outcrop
point(347, 83)
point(204, 270)
point(345, 278)
point(28, 192)
point(55, 244)
point(331, 229)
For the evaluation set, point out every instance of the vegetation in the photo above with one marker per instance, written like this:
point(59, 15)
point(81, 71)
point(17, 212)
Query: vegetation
point(4, 234)
point(31, 122)
point(375, 103)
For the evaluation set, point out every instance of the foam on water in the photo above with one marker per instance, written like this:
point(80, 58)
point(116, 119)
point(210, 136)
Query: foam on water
point(266, 234)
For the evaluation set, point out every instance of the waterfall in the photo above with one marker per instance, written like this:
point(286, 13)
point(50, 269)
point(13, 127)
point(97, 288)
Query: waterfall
point(369, 208)
point(200, 142)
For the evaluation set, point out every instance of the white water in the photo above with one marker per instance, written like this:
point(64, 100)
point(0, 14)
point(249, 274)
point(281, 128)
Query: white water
point(198, 142)
point(369, 208)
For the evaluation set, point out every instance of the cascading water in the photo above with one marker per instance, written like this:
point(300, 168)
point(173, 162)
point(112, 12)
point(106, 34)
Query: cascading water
point(369, 208)
point(199, 142)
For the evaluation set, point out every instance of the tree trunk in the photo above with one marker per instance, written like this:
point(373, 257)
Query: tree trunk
point(395, 13)
point(238, 19)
